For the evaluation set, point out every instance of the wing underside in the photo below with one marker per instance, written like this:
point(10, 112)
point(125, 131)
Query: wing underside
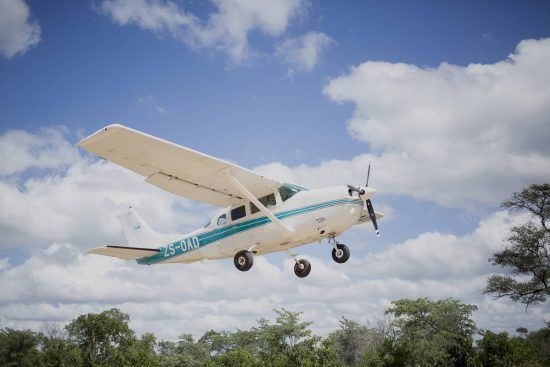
point(174, 168)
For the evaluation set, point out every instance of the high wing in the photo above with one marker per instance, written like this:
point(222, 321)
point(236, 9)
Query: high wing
point(177, 169)
point(124, 252)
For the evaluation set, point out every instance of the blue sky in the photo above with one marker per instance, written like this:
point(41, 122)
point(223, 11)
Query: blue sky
point(87, 72)
point(448, 143)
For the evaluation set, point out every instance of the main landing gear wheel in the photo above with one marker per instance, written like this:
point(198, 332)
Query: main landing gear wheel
point(340, 254)
point(302, 268)
point(243, 260)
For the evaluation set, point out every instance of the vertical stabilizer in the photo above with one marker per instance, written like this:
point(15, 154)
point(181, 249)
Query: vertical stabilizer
point(138, 232)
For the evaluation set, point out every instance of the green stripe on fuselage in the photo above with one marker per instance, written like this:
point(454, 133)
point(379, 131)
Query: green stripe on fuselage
point(190, 243)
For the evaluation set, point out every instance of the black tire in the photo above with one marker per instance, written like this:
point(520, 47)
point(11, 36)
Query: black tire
point(341, 255)
point(302, 268)
point(243, 260)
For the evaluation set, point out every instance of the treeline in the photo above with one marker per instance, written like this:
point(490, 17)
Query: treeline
point(414, 333)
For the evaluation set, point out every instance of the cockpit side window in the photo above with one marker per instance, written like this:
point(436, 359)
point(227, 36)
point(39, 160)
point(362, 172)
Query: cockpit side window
point(222, 220)
point(238, 213)
point(267, 201)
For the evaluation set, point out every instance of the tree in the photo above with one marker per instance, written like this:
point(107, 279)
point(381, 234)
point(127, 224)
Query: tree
point(190, 353)
point(246, 339)
point(433, 333)
point(57, 350)
point(288, 342)
point(217, 342)
point(352, 340)
point(235, 358)
point(167, 353)
point(389, 353)
point(528, 252)
point(142, 352)
point(539, 342)
point(104, 338)
point(499, 350)
point(19, 348)
point(327, 355)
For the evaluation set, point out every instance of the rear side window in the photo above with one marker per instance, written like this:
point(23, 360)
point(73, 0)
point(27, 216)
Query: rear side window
point(267, 201)
point(238, 213)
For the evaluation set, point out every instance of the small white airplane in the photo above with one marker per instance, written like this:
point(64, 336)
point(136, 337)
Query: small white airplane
point(259, 215)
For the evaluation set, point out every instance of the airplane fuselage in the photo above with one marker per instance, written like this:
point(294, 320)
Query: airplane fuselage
point(311, 214)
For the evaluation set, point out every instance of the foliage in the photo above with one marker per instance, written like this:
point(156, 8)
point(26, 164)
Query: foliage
point(19, 348)
point(539, 342)
point(57, 350)
point(528, 252)
point(433, 333)
point(501, 351)
point(235, 358)
point(389, 353)
point(103, 338)
point(417, 333)
point(353, 340)
point(287, 342)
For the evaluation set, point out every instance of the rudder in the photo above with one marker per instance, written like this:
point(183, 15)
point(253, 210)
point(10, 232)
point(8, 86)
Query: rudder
point(138, 232)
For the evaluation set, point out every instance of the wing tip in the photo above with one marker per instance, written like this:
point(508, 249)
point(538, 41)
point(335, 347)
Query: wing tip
point(109, 129)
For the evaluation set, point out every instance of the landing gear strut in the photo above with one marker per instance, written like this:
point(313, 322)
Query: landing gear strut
point(340, 252)
point(243, 260)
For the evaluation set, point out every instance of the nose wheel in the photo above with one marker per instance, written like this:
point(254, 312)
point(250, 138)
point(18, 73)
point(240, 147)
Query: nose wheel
point(340, 252)
point(243, 260)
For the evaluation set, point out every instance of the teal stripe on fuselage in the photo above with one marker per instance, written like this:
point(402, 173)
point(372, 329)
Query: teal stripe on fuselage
point(187, 244)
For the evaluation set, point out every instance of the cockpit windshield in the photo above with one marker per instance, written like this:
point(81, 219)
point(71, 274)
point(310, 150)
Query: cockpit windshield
point(288, 190)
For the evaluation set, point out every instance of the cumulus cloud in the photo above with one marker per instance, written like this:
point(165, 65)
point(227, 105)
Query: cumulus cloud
point(435, 255)
point(458, 136)
point(226, 29)
point(18, 32)
point(46, 149)
point(58, 283)
point(303, 52)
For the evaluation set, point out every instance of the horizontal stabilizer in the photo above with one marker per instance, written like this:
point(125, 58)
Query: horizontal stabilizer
point(124, 252)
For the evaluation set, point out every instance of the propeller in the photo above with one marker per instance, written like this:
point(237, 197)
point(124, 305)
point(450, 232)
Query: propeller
point(367, 202)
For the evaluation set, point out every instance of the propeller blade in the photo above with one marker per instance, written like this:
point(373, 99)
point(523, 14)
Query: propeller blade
point(368, 176)
point(372, 215)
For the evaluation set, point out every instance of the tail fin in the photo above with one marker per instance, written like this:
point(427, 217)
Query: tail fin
point(138, 233)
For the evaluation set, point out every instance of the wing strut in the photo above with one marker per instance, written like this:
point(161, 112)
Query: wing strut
point(243, 190)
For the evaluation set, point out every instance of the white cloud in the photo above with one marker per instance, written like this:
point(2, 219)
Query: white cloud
point(435, 255)
point(458, 136)
point(303, 52)
point(59, 283)
point(18, 33)
point(226, 29)
point(47, 148)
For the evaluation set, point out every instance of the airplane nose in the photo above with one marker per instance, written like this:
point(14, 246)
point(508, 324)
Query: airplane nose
point(368, 193)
